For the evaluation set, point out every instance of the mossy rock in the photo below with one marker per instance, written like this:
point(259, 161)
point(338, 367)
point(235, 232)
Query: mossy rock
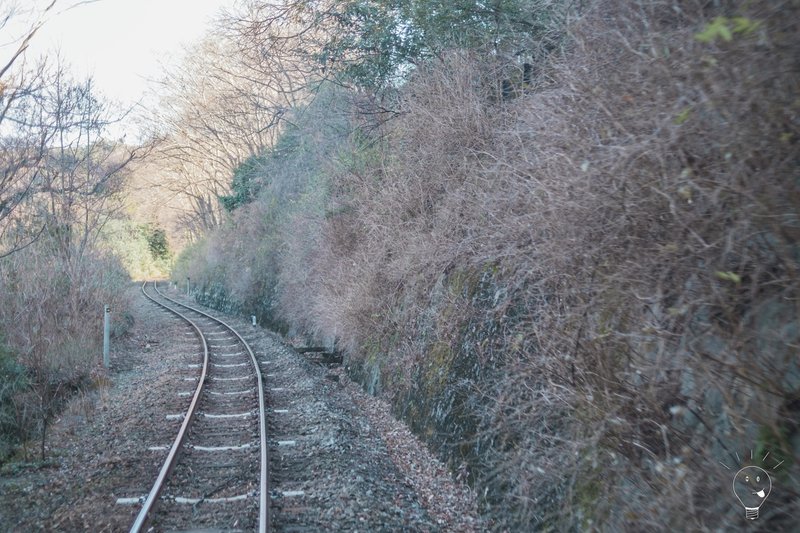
point(437, 367)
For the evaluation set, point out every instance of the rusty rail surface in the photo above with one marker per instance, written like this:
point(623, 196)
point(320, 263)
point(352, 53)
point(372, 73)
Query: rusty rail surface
point(166, 469)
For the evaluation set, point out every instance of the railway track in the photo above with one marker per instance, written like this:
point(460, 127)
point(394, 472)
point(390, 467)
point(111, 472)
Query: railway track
point(215, 474)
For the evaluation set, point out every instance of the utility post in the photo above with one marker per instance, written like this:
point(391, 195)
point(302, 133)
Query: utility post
point(106, 334)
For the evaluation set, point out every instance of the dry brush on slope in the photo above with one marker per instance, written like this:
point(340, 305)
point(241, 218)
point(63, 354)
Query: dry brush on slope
point(593, 286)
point(586, 298)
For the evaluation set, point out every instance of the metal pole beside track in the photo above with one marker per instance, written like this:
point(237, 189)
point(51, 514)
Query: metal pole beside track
point(106, 334)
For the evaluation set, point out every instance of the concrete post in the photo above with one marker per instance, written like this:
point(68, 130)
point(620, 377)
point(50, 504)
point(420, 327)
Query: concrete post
point(254, 320)
point(106, 335)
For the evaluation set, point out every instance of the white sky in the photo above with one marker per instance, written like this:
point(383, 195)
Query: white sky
point(121, 43)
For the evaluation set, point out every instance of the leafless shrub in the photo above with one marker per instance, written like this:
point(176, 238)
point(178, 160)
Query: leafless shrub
point(651, 191)
point(51, 314)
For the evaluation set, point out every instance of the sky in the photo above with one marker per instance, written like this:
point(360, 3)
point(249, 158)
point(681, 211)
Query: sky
point(122, 44)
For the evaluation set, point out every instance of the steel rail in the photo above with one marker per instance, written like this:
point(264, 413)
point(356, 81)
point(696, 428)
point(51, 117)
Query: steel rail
point(166, 469)
point(263, 515)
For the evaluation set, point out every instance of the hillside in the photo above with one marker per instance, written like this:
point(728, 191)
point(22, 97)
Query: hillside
point(582, 293)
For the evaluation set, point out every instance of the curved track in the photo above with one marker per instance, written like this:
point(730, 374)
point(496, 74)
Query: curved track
point(207, 479)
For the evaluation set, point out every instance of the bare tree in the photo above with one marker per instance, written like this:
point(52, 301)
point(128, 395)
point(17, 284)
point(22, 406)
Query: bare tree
point(60, 181)
point(8, 10)
point(24, 138)
point(26, 128)
point(216, 110)
point(75, 187)
point(83, 172)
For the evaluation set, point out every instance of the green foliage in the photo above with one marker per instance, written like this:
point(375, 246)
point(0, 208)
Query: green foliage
point(372, 41)
point(505, 24)
point(143, 249)
point(728, 276)
point(257, 173)
point(245, 184)
point(683, 116)
point(724, 28)
point(377, 41)
point(745, 25)
point(157, 242)
point(237, 267)
point(714, 29)
point(13, 380)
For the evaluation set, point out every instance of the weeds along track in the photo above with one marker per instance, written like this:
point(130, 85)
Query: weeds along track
point(215, 473)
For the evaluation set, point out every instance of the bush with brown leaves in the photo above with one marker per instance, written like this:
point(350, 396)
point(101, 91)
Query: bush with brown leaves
point(637, 213)
point(585, 297)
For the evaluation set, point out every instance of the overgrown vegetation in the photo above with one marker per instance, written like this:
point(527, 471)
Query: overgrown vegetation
point(51, 311)
point(12, 383)
point(60, 184)
point(237, 268)
point(584, 297)
point(143, 249)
